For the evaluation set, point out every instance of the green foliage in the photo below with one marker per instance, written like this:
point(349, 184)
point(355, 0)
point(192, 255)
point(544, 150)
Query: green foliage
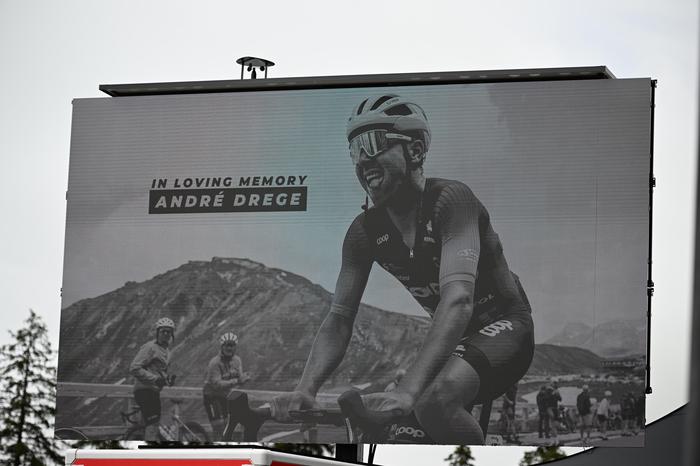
point(462, 456)
point(316, 449)
point(28, 388)
point(541, 455)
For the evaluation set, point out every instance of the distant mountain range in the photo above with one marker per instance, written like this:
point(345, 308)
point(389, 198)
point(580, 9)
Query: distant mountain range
point(553, 359)
point(615, 338)
point(276, 315)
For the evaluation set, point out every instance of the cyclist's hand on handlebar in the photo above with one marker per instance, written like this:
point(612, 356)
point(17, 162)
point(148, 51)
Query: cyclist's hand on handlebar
point(281, 405)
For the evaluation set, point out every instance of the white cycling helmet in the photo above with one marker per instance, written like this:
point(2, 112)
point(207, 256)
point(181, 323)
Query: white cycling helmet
point(228, 337)
point(392, 113)
point(165, 322)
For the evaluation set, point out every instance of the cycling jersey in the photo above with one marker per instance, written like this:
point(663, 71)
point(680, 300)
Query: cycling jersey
point(454, 241)
point(222, 374)
point(149, 365)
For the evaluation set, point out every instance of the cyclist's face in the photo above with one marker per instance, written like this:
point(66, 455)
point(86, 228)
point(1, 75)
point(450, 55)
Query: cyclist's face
point(382, 175)
point(164, 336)
point(229, 349)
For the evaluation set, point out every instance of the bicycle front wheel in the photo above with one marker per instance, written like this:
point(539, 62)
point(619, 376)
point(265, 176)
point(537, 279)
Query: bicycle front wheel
point(193, 432)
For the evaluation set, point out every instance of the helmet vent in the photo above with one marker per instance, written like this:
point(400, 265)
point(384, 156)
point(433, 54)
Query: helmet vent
point(399, 110)
point(361, 107)
point(381, 100)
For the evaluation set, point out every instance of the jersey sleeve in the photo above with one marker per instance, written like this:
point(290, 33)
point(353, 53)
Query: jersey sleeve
point(457, 214)
point(238, 366)
point(214, 376)
point(140, 363)
point(212, 371)
point(354, 271)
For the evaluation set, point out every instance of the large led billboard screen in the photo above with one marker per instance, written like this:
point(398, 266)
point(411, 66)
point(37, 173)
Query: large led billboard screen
point(440, 249)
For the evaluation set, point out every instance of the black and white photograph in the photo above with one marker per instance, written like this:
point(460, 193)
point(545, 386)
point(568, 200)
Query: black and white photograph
point(451, 263)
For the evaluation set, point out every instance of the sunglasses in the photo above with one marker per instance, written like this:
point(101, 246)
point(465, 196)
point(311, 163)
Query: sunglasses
point(373, 143)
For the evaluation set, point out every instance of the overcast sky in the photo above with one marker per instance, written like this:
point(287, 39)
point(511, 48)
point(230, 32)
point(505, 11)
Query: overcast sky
point(52, 52)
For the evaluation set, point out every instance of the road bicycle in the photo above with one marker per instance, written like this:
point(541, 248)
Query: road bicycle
point(360, 424)
point(177, 430)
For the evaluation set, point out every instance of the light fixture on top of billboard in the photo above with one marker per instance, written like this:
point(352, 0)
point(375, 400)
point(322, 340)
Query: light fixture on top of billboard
point(251, 63)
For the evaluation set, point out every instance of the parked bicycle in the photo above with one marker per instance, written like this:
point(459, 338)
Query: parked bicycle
point(177, 430)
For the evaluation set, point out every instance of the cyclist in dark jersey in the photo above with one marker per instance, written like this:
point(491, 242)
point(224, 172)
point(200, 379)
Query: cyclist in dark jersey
point(436, 238)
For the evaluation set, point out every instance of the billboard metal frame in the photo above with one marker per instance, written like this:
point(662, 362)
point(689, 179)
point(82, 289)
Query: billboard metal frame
point(367, 80)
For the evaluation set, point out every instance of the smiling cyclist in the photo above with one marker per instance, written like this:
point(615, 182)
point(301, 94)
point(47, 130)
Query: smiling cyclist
point(224, 372)
point(436, 238)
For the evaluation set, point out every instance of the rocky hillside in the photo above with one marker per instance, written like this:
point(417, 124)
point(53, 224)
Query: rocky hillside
point(275, 313)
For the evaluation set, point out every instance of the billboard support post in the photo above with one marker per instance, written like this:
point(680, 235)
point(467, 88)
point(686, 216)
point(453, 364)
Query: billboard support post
point(652, 185)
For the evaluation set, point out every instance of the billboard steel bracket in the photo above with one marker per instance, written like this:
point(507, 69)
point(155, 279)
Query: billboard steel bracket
point(652, 184)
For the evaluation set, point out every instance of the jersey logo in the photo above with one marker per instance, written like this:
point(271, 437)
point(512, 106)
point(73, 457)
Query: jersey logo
point(383, 239)
point(429, 227)
point(407, 430)
point(485, 299)
point(497, 327)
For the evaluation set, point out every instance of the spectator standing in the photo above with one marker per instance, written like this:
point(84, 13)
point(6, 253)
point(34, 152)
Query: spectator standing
point(628, 414)
point(639, 412)
point(553, 399)
point(543, 419)
point(603, 413)
point(585, 414)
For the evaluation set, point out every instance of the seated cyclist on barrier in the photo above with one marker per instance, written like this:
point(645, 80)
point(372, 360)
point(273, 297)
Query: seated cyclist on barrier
point(224, 372)
point(150, 370)
point(436, 238)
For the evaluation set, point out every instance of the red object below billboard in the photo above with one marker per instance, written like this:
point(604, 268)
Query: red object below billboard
point(195, 457)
